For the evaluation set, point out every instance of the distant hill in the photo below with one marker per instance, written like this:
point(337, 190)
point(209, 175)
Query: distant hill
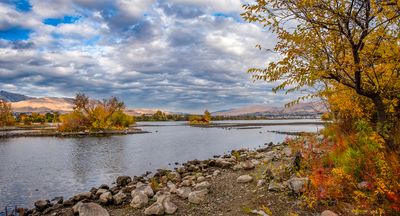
point(264, 110)
point(12, 97)
point(43, 105)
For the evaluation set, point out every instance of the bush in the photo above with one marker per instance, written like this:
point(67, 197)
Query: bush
point(354, 167)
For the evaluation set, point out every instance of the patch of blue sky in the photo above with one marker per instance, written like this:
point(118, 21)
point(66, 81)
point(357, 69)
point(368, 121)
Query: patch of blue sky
point(21, 5)
point(227, 16)
point(15, 34)
point(92, 41)
point(58, 21)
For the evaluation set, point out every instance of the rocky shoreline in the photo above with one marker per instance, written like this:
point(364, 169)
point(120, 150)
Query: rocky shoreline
point(245, 182)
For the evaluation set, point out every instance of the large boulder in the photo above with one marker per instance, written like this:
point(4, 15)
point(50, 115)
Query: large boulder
point(298, 185)
point(198, 197)
point(101, 191)
point(92, 209)
point(244, 179)
point(139, 200)
point(145, 188)
point(123, 180)
point(169, 207)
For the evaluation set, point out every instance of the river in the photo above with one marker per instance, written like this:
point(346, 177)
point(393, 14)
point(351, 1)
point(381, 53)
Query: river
point(33, 168)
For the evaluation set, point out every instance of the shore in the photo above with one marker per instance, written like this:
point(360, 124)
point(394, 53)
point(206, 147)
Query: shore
point(52, 132)
point(245, 182)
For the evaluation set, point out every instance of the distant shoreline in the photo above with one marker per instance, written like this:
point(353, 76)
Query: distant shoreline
point(32, 132)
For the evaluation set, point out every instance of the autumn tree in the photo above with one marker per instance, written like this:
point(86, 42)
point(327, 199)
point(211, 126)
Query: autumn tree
point(337, 44)
point(6, 117)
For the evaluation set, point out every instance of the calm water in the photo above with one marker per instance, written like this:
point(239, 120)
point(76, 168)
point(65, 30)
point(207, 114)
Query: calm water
point(43, 168)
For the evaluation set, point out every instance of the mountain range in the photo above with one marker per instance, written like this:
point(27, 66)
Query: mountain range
point(25, 104)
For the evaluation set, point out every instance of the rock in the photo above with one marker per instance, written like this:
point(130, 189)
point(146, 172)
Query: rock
point(237, 167)
point(172, 187)
point(181, 170)
point(276, 187)
point(198, 197)
point(105, 198)
point(186, 183)
point(216, 172)
point(115, 189)
point(101, 191)
point(65, 212)
point(259, 213)
point(83, 195)
point(247, 165)
point(155, 209)
point(328, 213)
point(222, 163)
point(183, 192)
point(298, 185)
point(92, 209)
point(174, 176)
point(123, 180)
point(201, 179)
point(363, 185)
point(145, 188)
point(119, 198)
point(202, 185)
point(244, 179)
point(261, 182)
point(52, 208)
point(104, 186)
point(69, 202)
point(57, 200)
point(42, 204)
point(76, 207)
point(139, 200)
point(169, 207)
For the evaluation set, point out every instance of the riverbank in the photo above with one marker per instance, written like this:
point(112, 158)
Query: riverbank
point(52, 132)
point(243, 183)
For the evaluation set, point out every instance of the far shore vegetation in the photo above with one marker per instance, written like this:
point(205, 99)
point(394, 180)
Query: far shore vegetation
point(94, 115)
point(200, 120)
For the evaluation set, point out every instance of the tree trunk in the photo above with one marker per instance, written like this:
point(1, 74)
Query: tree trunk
point(384, 126)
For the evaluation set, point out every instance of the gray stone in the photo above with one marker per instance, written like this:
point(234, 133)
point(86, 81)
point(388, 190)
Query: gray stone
point(101, 191)
point(328, 213)
point(92, 209)
point(76, 207)
point(169, 207)
point(261, 182)
point(119, 198)
point(202, 185)
point(201, 179)
point(186, 183)
point(298, 185)
point(155, 209)
point(105, 198)
point(145, 188)
point(83, 195)
point(123, 180)
point(42, 204)
point(276, 187)
point(183, 192)
point(259, 213)
point(247, 165)
point(244, 179)
point(216, 172)
point(198, 197)
point(139, 200)
point(172, 187)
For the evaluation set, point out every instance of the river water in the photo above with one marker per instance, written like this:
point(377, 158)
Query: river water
point(33, 168)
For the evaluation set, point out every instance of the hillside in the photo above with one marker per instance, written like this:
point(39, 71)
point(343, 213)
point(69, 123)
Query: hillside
point(42, 105)
point(298, 109)
point(12, 97)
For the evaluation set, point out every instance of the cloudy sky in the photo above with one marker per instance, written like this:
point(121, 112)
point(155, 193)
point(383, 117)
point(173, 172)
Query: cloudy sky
point(180, 55)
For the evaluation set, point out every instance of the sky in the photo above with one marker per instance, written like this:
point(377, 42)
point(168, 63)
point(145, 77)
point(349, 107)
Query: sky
point(177, 55)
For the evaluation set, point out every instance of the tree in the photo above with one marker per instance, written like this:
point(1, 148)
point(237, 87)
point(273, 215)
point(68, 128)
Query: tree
point(351, 44)
point(6, 116)
point(207, 116)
